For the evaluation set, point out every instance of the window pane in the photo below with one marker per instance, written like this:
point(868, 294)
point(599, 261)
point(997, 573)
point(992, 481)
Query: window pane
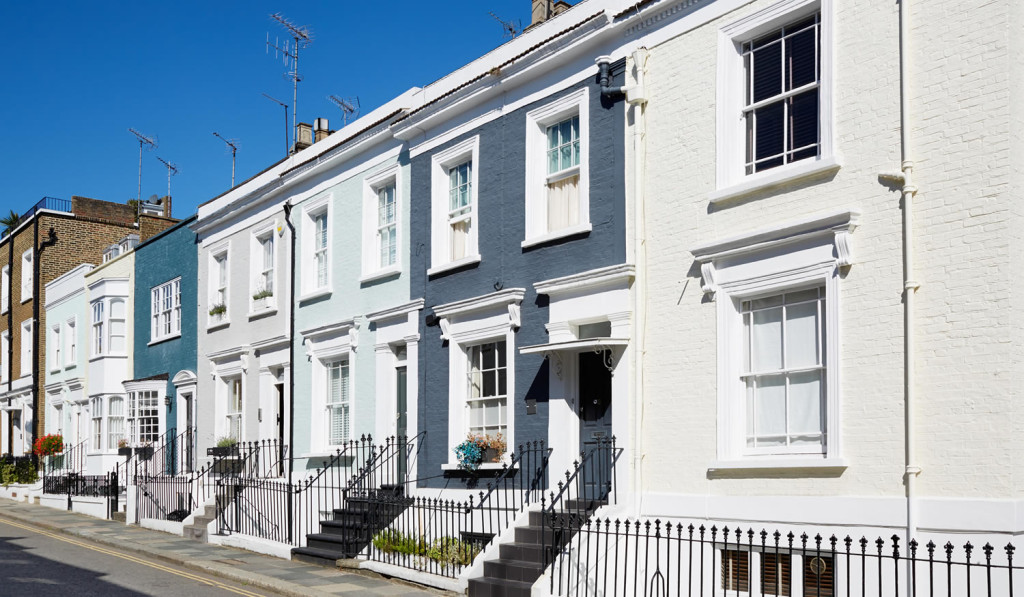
point(770, 406)
point(802, 335)
point(768, 130)
point(803, 123)
point(805, 405)
point(766, 348)
point(767, 79)
point(801, 63)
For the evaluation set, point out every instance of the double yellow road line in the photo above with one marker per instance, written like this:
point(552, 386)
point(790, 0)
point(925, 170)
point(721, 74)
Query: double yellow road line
point(130, 558)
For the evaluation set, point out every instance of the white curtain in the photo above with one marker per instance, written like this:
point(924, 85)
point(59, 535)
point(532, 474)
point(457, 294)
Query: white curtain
point(563, 203)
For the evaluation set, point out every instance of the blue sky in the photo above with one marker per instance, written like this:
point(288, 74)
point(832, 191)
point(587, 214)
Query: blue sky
point(77, 75)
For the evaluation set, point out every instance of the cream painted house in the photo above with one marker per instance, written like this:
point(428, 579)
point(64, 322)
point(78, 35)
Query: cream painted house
point(779, 387)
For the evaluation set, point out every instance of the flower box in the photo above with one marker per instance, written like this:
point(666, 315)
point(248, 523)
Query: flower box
point(125, 451)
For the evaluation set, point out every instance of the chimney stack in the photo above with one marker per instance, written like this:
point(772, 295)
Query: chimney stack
point(321, 129)
point(545, 9)
point(304, 136)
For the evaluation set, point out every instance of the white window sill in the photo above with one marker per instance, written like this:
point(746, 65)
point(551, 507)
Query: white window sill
point(776, 177)
point(262, 312)
point(769, 463)
point(107, 356)
point(314, 294)
point(4, 311)
point(26, 299)
point(484, 466)
point(444, 267)
point(391, 270)
point(328, 454)
point(164, 339)
point(550, 236)
point(210, 327)
point(70, 365)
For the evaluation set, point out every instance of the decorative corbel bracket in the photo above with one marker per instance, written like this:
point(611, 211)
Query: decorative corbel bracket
point(514, 315)
point(844, 249)
point(708, 283)
point(446, 327)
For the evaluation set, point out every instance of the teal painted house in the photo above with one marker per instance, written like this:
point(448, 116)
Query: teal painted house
point(165, 335)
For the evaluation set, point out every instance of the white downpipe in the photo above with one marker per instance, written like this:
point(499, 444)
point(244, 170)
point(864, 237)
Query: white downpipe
point(910, 285)
point(637, 97)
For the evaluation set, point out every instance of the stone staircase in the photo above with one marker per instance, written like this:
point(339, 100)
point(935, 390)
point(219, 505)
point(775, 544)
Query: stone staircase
point(352, 528)
point(198, 529)
point(521, 563)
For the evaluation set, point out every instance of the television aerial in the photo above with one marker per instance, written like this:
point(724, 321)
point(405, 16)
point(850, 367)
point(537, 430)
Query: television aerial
point(349, 107)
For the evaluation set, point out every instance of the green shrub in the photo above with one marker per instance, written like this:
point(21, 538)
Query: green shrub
point(392, 541)
point(449, 551)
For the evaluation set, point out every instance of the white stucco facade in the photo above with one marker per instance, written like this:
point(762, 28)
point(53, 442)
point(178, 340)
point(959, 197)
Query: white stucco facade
point(713, 239)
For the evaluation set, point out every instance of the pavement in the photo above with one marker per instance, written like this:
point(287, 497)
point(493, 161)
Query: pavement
point(280, 576)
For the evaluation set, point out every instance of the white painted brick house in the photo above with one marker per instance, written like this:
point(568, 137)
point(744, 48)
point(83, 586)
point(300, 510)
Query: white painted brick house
point(721, 242)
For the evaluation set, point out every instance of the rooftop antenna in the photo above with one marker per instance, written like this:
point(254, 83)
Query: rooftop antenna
point(147, 143)
point(285, 106)
point(233, 144)
point(172, 169)
point(301, 37)
point(349, 106)
point(512, 28)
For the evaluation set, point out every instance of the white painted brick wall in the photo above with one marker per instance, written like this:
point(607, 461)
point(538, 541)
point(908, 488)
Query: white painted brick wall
point(969, 306)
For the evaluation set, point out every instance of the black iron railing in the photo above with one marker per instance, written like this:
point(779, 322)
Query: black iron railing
point(442, 536)
point(71, 460)
point(587, 486)
point(635, 557)
point(49, 203)
point(285, 511)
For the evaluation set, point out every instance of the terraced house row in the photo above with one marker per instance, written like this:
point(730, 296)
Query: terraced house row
point(586, 315)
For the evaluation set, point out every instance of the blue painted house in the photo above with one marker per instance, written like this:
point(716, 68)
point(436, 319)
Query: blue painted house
point(165, 335)
point(519, 250)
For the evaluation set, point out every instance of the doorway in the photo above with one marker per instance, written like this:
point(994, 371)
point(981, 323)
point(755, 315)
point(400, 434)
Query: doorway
point(595, 413)
point(402, 420)
point(279, 421)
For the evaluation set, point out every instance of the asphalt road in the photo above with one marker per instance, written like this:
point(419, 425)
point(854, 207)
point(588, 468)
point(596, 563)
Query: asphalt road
point(39, 563)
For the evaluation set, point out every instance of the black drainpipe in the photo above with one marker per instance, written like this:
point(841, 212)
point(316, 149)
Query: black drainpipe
point(37, 295)
point(291, 358)
point(10, 332)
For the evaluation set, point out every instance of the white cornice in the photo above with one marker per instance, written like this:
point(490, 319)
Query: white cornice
point(269, 343)
point(67, 286)
point(395, 312)
point(478, 303)
point(331, 329)
point(228, 353)
point(604, 276)
point(758, 240)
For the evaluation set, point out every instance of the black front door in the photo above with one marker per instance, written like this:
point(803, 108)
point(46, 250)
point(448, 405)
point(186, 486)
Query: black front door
point(280, 427)
point(595, 411)
point(402, 420)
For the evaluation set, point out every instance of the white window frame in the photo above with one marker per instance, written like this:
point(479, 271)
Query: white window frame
point(441, 163)
point(111, 320)
point(373, 269)
point(27, 273)
point(489, 318)
point(259, 271)
point(5, 289)
point(538, 120)
point(5, 344)
point(310, 283)
point(133, 431)
point(345, 402)
point(731, 154)
point(324, 345)
point(229, 410)
point(163, 315)
point(55, 363)
point(26, 348)
point(799, 255)
point(97, 328)
point(112, 439)
point(97, 427)
point(216, 293)
point(71, 342)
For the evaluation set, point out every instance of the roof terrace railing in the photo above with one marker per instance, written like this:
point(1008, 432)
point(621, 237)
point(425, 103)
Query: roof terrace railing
point(47, 203)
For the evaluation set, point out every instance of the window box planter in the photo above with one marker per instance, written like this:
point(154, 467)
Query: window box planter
point(227, 466)
point(491, 455)
point(221, 451)
point(126, 451)
point(144, 453)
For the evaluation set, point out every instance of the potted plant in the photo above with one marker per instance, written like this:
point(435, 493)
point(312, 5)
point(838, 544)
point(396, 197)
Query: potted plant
point(123, 449)
point(224, 447)
point(259, 298)
point(217, 311)
point(50, 446)
point(478, 449)
point(145, 451)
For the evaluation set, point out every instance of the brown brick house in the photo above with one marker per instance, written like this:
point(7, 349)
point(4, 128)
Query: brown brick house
point(51, 238)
